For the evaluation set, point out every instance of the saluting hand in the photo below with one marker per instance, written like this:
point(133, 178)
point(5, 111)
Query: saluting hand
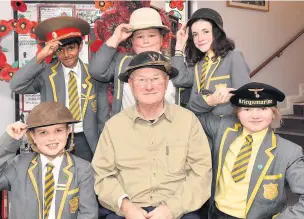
point(181, 37)
point(50, 48)
point(121, 33)
point(16, 130)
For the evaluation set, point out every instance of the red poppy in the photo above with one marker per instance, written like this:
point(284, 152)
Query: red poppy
point(179, 4)
point(4, 28)
point(103, 5)
point(166, 21)
point(32, 30)
point(23, 26)
point(18, 5)
point(13, 24)
point(7, 72)
point(94, 47)
point(2, 59)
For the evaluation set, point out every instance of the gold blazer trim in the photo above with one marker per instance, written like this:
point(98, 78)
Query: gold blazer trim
point(34, 182)
point(264, 171)
point(51, 77)
point(68, 184)
point(87, 80)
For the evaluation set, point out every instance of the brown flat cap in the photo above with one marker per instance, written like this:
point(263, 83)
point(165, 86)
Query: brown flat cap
point(49, 113)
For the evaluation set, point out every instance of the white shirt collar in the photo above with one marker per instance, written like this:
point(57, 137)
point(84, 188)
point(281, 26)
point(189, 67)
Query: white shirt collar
point(56, 162)
point(76, 69)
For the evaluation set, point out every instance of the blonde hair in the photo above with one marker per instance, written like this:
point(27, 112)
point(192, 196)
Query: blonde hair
point(35, 148)
point(276, 120)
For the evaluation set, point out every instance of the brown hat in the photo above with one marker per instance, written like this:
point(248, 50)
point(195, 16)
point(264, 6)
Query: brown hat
point(61, 27)
point(146, 18)
point(49, 113)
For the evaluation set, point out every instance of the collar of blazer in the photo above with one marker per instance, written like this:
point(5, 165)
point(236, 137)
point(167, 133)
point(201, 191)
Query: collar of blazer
point(85, 82)
point(65, 173)
point(264, 159)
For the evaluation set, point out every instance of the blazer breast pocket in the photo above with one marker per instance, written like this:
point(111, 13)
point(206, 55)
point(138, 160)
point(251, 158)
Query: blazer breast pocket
point(271, 189)
point(73, 200)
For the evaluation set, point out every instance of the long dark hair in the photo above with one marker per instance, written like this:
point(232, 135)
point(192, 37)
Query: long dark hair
point(221, 45)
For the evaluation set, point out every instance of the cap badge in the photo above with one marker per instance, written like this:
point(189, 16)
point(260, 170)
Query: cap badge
point(154, 57)
point(256, 91)
point(54, 35)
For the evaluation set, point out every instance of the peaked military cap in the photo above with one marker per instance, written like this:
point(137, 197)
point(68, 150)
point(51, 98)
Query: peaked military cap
point(149, 59)
point(256, 94)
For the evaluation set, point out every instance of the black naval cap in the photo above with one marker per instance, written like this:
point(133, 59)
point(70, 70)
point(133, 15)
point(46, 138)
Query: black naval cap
point(207, 13)
point(149, 59)
point(256, 94)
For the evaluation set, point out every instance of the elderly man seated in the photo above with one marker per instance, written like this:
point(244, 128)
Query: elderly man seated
point(152, 160)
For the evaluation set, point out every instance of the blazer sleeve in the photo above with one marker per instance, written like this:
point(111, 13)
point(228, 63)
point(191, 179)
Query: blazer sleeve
point(239, 70)
point(88, 207)
point(107, 187)
point(8, 160)
point(185, 76)
point(103, 63)
point(28, 79)
point(295, 179)
point(199, 175)
point(102, 105)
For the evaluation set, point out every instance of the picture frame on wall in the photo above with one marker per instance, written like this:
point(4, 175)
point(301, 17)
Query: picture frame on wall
point(252, 5)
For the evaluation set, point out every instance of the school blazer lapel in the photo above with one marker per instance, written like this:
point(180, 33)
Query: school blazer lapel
point(63, 186)
point(261, 165)
point(229, 135)
point(34, 172)
point(57, 82)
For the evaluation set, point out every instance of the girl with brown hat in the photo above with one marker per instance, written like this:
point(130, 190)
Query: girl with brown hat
point(212, 62)
point(50, 183)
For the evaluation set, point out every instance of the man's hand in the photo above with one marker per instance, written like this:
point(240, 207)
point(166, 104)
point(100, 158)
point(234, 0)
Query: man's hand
point(161, 212)
point(121, 33)
point(220, 96)
point(49, 49)
point(130, 211)
point(16, 130)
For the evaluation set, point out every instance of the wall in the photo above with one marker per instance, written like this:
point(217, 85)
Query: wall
point(259, 34)
point(7, 109)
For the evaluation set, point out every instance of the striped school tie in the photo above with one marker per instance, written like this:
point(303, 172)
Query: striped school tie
point(48, 190)
point(74, 104)
point(241, 163)
point(204, 72)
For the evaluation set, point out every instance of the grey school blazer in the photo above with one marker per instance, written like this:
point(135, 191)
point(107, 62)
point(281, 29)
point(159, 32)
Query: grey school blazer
point(49, 81)
point(230, 71)
point(279, 164)
point(21, 174)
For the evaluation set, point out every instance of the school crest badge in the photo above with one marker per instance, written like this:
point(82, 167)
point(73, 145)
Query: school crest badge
point(94, 106)
point(74, 204)
point(270, 191)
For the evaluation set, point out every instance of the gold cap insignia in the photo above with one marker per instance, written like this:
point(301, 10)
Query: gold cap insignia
point(256, 91)
point(54, 35)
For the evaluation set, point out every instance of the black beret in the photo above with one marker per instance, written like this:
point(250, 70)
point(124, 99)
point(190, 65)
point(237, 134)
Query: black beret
point(256, 94)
